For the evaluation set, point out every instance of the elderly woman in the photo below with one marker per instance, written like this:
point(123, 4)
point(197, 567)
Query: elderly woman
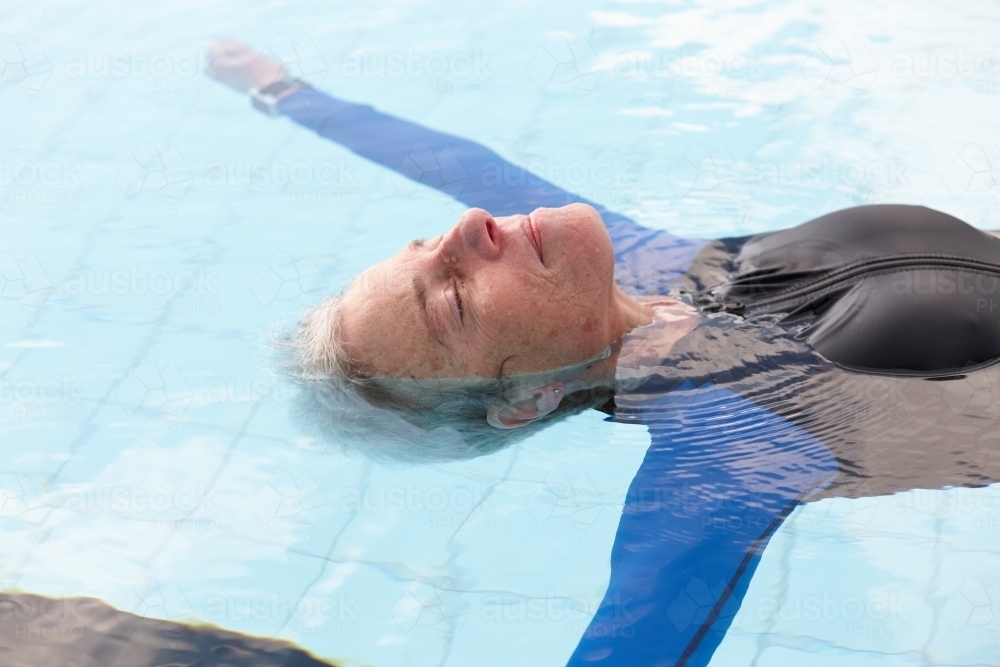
point(538, 304)
point(770, 370)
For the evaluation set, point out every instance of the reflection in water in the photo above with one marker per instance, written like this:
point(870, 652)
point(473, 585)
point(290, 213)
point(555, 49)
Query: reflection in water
point(888, 434)
point(896, 434)
point(85, 632)
point(746, 423)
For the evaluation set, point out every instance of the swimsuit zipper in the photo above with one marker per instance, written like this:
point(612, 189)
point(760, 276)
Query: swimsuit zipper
point(842, 275)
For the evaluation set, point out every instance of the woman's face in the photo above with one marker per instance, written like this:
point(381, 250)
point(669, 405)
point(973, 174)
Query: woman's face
point(516, 294)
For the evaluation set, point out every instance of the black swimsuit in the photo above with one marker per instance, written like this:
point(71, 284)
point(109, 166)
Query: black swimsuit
point(837, 325)
point(902, 290)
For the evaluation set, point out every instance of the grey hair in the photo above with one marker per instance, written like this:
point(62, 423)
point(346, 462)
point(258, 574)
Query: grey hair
point(403, 420)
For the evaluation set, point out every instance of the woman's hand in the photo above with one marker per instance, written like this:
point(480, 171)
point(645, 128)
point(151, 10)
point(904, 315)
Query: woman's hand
point(235, 64)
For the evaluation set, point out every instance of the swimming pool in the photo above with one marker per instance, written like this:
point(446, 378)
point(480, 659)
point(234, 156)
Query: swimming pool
point(156, 229)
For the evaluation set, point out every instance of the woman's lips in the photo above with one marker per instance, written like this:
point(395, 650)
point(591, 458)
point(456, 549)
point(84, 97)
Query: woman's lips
point(534, 236)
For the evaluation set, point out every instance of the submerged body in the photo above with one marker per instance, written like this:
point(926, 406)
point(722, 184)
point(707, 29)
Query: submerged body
point(833, 359)
point(875, 328)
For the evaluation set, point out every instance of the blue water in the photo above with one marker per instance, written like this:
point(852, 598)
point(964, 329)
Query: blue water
point(155, 229)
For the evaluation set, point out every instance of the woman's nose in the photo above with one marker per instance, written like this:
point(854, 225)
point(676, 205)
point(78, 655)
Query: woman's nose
point(476, 234)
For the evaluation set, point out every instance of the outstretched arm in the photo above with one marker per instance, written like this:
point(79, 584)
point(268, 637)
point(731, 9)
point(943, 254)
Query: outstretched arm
point(696, 520)
point(471, 173)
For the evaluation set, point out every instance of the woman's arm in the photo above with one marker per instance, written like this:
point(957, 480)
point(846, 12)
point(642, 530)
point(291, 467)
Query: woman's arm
point(463, 169)
point(720, 476)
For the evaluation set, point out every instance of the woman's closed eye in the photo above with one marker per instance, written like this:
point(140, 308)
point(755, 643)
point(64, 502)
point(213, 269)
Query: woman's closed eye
point(455, 301)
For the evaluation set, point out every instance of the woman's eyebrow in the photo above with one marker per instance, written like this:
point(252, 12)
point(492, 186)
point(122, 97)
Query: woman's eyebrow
point(416, 243)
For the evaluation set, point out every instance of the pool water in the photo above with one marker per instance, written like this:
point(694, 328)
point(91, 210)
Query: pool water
point(156, 229)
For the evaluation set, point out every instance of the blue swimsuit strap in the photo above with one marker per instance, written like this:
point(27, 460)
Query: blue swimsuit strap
point(682, 560)
point(647, 260)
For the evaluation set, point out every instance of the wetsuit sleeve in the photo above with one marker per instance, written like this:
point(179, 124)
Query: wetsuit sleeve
point(720, 476)
point(646, 259)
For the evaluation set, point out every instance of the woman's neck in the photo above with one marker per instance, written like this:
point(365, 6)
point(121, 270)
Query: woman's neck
point(632, 311)
point(659, 322)
point(647, 346)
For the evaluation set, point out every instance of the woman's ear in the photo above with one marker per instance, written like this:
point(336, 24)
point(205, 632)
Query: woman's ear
point(525, 406)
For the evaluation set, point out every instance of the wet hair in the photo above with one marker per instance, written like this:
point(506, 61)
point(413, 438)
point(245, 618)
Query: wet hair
point(406, 420)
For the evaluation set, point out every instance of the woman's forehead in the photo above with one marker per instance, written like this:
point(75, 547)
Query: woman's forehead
point(376, 276)
point(381, 324)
